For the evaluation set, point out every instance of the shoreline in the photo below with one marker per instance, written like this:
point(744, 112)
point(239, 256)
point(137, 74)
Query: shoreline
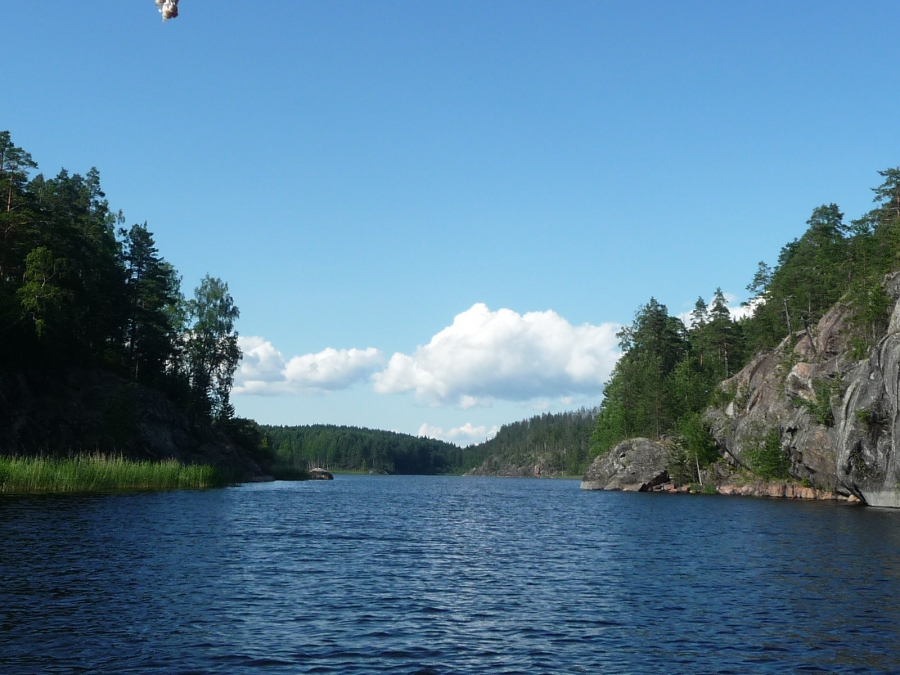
point(759, 489)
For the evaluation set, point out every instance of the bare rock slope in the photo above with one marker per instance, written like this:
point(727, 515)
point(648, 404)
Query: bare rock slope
point(835, 417)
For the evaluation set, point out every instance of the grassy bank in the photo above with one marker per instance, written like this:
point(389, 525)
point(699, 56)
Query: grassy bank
point(98, 473)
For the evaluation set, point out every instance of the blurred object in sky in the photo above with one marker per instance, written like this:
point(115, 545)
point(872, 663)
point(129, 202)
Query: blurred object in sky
point(168, 8)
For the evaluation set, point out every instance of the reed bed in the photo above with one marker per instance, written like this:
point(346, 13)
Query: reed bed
point(99, 473)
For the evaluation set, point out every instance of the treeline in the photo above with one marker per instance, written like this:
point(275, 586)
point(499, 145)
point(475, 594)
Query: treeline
point(559, 442)
point(77, 289)
point(669, 370)
point(355, 449)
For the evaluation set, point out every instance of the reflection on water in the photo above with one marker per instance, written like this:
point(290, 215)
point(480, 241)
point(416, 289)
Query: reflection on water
point(444, 575)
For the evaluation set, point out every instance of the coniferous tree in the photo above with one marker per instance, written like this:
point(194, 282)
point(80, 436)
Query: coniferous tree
point(723, 335)
point(15, 165)
point(156, 308)
point(638, 399)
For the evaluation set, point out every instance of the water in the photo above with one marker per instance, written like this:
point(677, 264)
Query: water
point(445, 575)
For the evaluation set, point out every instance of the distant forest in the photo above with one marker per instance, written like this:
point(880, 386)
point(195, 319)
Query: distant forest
point(670, 371)
point(356, 449)
point(562, 441)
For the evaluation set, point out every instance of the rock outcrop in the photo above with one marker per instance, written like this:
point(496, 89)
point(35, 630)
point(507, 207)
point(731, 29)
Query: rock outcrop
point(504, 468)
point(836, 418)
point(782, 490)
point(636, 465)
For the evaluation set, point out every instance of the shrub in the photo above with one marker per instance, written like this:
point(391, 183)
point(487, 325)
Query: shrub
point(858, 348)
point(865, 417)
point(768, 459)
point(820, 408)
point(693, 448)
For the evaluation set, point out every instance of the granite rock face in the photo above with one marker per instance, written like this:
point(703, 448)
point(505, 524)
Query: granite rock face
point(636, 464)
point(837, 418)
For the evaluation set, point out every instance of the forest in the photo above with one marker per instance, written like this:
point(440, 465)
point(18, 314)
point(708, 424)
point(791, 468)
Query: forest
point(670, 370)
point(558, 442)
point(368, 450)
point(78, 289)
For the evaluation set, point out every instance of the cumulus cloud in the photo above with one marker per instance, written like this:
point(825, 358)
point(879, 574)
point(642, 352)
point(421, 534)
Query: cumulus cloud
point(466, 433)
point(501, 354)
point(265, 371)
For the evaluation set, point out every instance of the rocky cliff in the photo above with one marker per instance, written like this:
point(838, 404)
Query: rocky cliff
point(641, 465)
point(835, 418)
point(506, 468)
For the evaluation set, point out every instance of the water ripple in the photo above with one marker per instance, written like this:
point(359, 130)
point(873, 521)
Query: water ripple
point(445, 575)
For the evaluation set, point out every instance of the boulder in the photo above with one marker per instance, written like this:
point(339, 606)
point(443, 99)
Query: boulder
point(635, 465)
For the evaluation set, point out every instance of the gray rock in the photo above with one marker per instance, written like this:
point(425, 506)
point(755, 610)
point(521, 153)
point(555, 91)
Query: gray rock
point(858, 452)
point(868, 426)
point(634, 465)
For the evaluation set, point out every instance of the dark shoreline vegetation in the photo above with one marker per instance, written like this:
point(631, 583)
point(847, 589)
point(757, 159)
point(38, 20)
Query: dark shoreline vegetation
point(100, 351)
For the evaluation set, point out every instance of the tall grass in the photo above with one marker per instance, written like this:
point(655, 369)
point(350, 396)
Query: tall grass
point(98, 473)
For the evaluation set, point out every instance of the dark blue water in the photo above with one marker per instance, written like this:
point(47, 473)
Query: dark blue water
point(445, 575)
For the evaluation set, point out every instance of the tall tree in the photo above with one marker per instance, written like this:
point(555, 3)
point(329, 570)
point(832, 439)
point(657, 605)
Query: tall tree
point(155, 305)
point(212, 349)
point(723, 335)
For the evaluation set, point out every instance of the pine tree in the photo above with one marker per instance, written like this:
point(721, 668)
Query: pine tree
point(155, 314)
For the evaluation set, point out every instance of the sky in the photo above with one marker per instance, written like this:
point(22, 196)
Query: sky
point(434, 217)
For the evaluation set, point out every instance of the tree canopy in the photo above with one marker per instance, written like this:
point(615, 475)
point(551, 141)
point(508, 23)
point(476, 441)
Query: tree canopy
point(78, 289)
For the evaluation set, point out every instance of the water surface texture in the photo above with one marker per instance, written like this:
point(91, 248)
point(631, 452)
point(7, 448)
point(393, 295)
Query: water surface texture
point(445, 575)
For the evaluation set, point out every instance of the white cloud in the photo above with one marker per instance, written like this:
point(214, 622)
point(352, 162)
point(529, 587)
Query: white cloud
point(261, 362)
point(263, 369)
point(333, 368)
point(466, 402)
point(505, 355)
point(466, 433)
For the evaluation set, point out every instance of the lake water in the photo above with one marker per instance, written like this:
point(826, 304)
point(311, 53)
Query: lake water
point(445, 575)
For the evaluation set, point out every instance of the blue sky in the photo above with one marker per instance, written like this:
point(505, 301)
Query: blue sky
point(437, 213)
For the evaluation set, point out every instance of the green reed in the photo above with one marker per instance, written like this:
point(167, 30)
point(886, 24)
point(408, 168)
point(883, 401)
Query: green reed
point(99, 473)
